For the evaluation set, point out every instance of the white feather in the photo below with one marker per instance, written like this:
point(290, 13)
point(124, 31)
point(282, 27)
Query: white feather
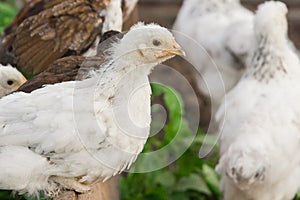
point(90, 129)
point(261, 134)
point(222, 28)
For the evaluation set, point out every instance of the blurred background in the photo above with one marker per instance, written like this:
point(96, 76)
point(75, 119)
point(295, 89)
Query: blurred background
point(164, 12)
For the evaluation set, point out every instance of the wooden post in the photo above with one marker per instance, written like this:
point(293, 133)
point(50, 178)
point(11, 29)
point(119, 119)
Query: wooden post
point(100, 191)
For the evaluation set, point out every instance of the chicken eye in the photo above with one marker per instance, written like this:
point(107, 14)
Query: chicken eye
point(156, 42)
point(10, 82)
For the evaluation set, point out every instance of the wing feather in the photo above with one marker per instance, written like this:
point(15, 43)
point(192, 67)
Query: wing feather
point(49, 35)
point(65, 69)
point(46, 121)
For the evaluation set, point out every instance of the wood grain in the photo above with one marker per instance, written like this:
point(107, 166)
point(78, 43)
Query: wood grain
point(100, 191)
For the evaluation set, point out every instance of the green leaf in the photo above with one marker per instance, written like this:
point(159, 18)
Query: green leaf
point(165, 179)
point(212, 179)
point(179, 196)
point(193, 182)
point(157, 194)
point(7, 14)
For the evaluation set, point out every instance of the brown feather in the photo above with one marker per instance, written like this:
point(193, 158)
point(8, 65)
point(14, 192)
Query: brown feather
point(68, 26)
point(46, 30)
point(65, 69)
point(29, 9)
point(72, 68)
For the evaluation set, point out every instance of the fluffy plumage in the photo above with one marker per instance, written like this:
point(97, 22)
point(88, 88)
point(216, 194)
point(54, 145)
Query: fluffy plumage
point(260, 138)
point(10, 80)
point(46, 30)
point(79, 132)
point(225, 30)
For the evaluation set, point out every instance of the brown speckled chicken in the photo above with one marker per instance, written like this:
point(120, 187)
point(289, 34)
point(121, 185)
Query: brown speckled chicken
point(46, 30)
point(73, 68)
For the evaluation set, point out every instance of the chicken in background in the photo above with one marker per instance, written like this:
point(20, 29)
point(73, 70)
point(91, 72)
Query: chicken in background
point(10, 80)
point(260, 117)
point(225, 30)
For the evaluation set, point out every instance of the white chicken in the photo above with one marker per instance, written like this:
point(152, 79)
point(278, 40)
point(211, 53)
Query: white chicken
point(10, 80)
point(71, 134)
point(260, 138)
point(225, 30)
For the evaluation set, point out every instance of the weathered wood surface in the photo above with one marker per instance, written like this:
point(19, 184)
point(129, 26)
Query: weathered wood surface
point(100, 191)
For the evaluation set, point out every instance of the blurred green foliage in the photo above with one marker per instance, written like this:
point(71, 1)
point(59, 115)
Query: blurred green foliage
point(188, 178)
point(7, 12)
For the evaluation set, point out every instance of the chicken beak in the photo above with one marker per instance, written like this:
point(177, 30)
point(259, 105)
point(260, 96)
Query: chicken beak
point(176, 50)
point(23, 80)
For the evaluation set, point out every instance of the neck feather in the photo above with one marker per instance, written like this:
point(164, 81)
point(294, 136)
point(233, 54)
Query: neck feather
point(118, 72)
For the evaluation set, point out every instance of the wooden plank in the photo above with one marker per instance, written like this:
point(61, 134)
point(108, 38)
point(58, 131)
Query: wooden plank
point(103, 191)
point(67, 195)
point(100, 191)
